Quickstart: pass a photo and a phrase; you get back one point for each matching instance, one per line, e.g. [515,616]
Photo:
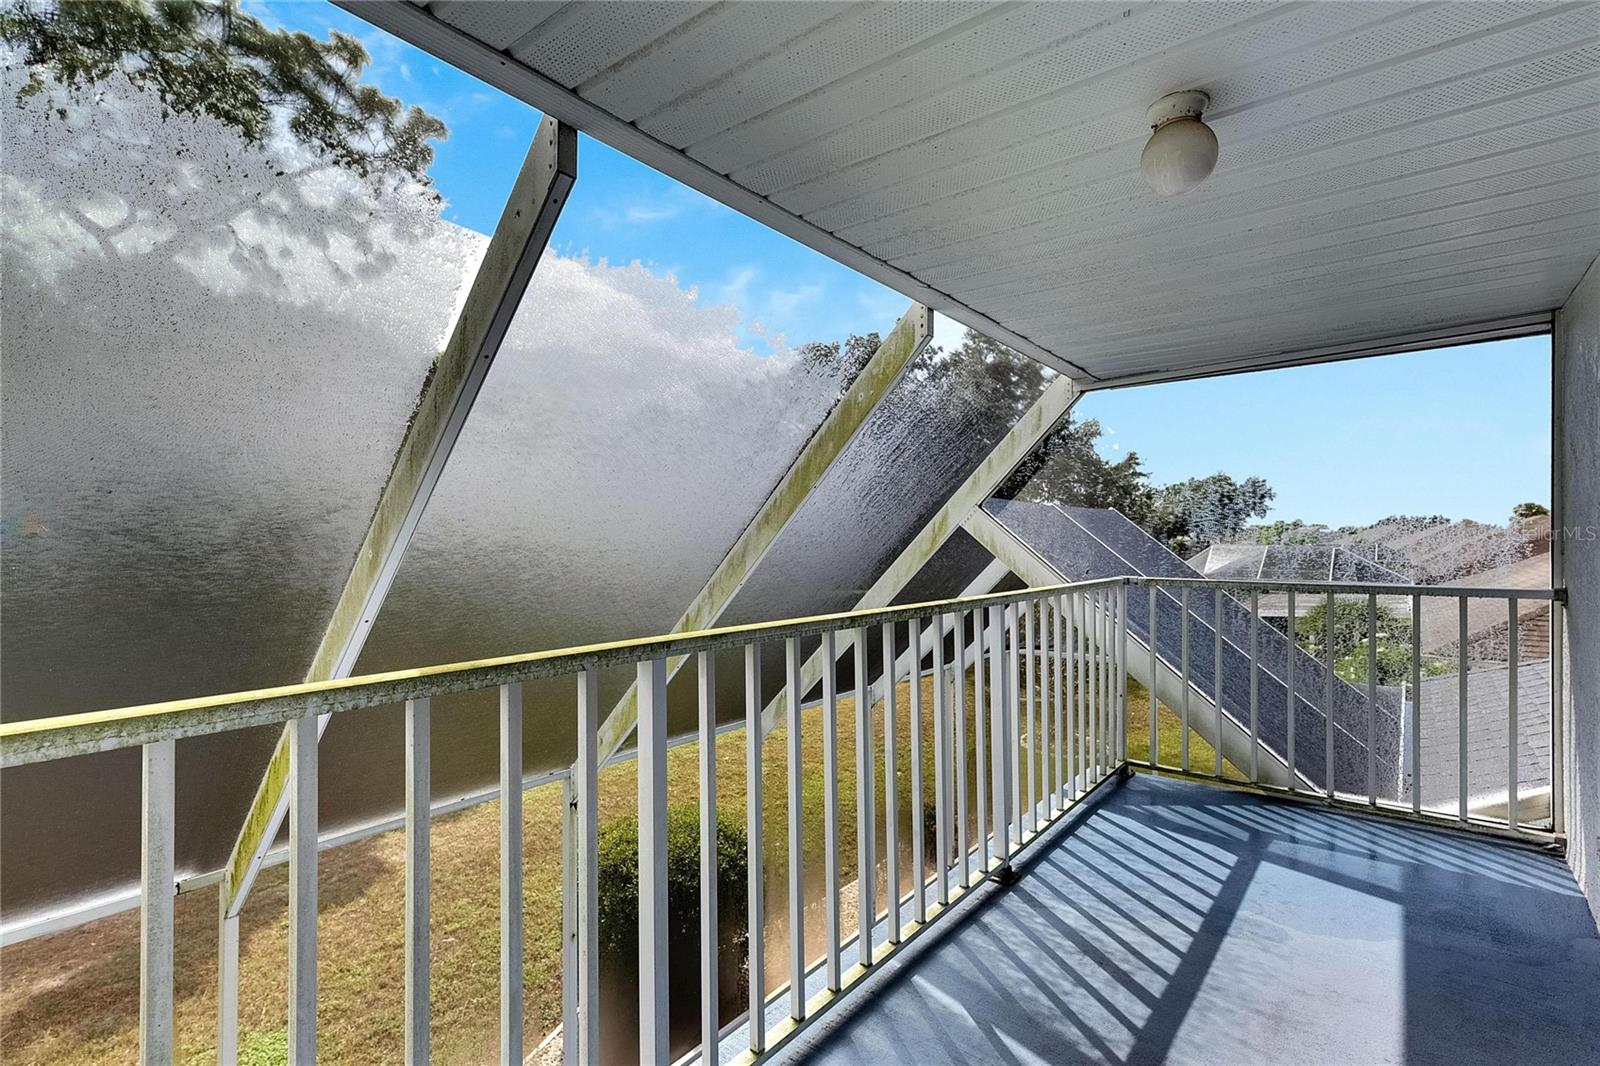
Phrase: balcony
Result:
[1036,888]
[426,639]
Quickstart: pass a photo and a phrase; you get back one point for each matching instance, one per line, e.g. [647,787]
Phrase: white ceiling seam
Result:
[1384,167]
[1246,149]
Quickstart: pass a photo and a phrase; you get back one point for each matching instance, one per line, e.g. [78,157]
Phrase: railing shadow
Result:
[1185,923]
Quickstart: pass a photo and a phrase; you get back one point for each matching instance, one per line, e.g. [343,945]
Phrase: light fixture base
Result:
[1191,103]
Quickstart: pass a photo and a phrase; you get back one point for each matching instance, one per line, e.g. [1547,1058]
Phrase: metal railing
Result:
[1028,713]
[1042,670]
[1324,721]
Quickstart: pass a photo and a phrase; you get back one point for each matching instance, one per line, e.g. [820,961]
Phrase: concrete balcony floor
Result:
[1183,923]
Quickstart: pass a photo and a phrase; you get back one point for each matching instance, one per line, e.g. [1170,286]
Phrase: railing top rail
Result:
[62,736]
[1356,588]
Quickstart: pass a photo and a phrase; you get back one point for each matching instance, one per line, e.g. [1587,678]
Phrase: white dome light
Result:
[1182,151]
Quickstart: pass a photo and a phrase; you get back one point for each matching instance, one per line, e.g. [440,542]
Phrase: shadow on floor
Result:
[1184,923]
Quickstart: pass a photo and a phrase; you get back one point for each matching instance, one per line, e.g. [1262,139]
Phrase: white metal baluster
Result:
[891,790]
[1327,699]
[1416,703]
[866,815]
[511,887]
[1372,700]
[1058,779]
[1075,700]
[796,814]
[157,890]
[999,689]
[1461,710]
[654,1046]
[1288,684]
[1102,665]
[586,789]
[1184,659]
[919,902]
[1155,706]
[1047,733]
[755,907]
[227,981]
[941,766]
[570,830]
[1255,688]
[1029,649]
[1216,667]
[830,817]
[960,677]
[980,719]
[1011,730]
[710,1019]
[1558,821]
[418,825]
[1122,673]
[1512,783]
[303,890]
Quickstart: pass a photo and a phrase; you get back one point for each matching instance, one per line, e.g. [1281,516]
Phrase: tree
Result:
[207,57]
[830,358]
[1194,514]
[1067,468]
[1528,510]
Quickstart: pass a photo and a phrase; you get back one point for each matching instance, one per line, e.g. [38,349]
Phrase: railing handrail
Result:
[62,736]
[1359,589]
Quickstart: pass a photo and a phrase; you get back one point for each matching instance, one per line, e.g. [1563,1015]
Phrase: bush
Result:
[619,882]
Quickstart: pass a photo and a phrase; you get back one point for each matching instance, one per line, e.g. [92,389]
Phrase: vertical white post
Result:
[797,909]
[710,1019]
[1187,684]
[960,677]
[157,889]
[755,911]
[587,791]
[919,902]
[1155,706]
[571,830]
[866,815]
[1075,698]
[1288,683]
[1512,783]
[1461,708]
[981,638]
[1122,672]
[1416,703]
[1372,700]
[891,789]
[511,888]
[1255,688]
[1327,699]
[941,766]
[1011,728]
[303,890]
[1216,672]
[652,740]
[1558,657]
[830,801]
[1059,781]
[227,981]
[418,825]
[999,737]
[1101,677]
[1029,649]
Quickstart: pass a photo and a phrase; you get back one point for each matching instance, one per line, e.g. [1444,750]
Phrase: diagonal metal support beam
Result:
[908,338]
[519,240]
[1035,424]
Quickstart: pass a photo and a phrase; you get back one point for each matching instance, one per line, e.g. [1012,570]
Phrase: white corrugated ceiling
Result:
[1389,172]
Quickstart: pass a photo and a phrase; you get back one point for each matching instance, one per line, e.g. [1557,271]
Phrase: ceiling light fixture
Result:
[1182,151]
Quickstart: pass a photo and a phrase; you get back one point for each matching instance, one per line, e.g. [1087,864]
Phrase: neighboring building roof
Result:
[1487,689]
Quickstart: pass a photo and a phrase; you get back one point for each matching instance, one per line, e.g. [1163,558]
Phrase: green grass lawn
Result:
[72,997]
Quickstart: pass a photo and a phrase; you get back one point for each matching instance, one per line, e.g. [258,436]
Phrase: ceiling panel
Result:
[1385,168]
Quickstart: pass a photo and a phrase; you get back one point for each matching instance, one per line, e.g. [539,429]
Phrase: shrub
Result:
[619,882]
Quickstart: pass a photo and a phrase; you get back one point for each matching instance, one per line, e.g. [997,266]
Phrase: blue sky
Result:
[1462,432]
